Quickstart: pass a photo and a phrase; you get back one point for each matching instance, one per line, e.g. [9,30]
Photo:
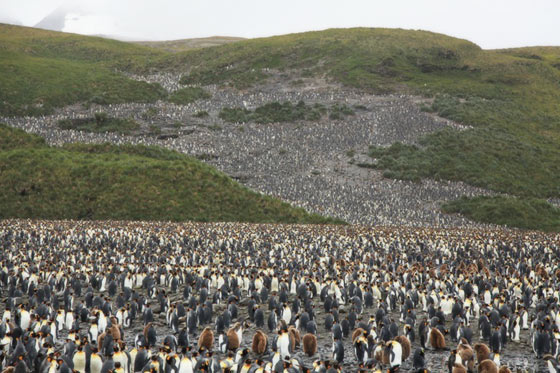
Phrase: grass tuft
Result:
[188,95]
[525,213]
[100,123]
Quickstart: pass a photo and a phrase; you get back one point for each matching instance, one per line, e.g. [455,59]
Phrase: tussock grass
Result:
[100,123]
[188,95]
[526,213]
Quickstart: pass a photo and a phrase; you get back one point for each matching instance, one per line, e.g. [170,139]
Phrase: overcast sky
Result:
[489,23]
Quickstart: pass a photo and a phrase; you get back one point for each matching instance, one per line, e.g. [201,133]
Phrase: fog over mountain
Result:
[56,20]
[83,18]
[12,21]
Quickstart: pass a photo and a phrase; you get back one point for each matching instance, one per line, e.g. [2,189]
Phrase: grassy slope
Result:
[126,182]
[375,59]
[510,97]
[41,70]
[528,213]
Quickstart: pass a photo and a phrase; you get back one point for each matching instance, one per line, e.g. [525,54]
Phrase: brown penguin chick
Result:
[466,352]
[260,341]
[233,339]
[206,339]
[115,332]
[437,340]
[487,366]
[378,353]
[294,336]
[504,369]
[356,333]
[9,369]
[405,344]
[382,354]
[459,368]
[482,352]
[100,338]
[146,328]
[309,344]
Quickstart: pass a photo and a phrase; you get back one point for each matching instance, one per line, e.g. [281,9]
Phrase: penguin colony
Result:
[100,297]
[283,160]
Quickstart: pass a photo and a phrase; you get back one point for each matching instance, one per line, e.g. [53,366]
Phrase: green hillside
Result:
[41,70]
[527,213]
[511,98]
[125,183]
